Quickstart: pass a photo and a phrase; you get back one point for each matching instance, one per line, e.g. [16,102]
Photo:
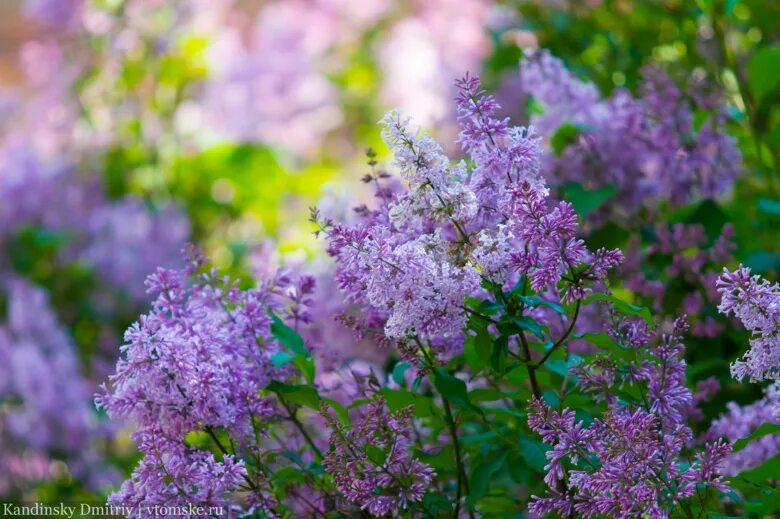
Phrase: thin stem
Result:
[479,314]
[563,338]
[294,419]
[463,483]
[531,368]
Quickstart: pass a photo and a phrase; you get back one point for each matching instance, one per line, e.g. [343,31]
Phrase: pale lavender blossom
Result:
[738,422]
[756,303]
[413,260]
[172,474]
[127,241]
[58,14]
[196,362]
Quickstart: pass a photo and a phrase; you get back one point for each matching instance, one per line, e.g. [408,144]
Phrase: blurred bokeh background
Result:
[130,127]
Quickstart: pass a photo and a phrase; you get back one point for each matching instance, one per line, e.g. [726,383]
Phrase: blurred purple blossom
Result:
[41,377]
[649,146]
[738,422]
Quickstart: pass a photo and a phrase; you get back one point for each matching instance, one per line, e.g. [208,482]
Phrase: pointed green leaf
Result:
[288,337]
[764,72]
[479,480]
[622,306]
[533,453]
[398,372]
[763,430]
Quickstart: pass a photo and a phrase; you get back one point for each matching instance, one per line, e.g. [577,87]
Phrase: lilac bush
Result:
[522,321]
[506,353]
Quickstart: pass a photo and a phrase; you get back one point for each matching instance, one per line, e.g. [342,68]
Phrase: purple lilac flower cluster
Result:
[197,362]
[648,147]
[371,463]
[756,303]
[629,461]
[414,259]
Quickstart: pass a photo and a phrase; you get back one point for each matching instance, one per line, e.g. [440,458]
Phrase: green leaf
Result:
[534,301]
[479,480]
[287,336]
[769,501]
[609,236]
[498,356]
[517,375]
[585,201]
[477,438]
[360,402]
[551,397]
[761,261]
[518,470]
[441,459]
[398,372]
[559,367]
[622,306]
[375,454]
[452,388]
[529,324]
[306,366]
[281,358]
[488,306]
[341,412]
[483,345]
[763,430]
[296,394]
[487,395]
[198,439]
[764,72]
[508,412]
[398,399]
[608,345]
[533,106]
[286,475]
[566,135]
[533,453]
